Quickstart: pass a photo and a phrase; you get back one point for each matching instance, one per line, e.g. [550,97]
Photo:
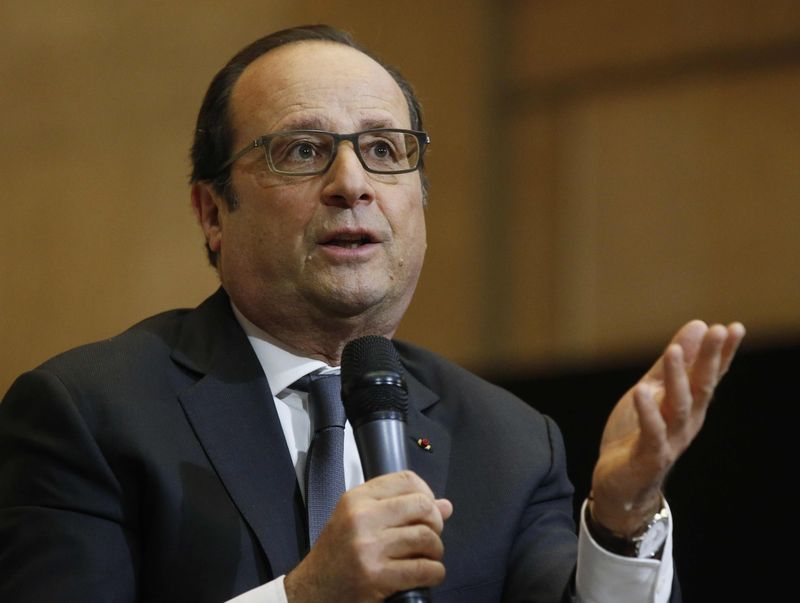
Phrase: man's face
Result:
[342,244]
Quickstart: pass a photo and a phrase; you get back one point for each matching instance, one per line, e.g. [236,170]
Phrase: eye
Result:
[301,151]
[381,149]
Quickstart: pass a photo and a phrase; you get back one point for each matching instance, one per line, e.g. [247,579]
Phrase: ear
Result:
[207,206]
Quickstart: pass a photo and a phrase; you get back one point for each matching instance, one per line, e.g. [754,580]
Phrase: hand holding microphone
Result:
[375,399]
[383,540]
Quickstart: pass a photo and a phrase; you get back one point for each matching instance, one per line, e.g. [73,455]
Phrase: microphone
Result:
[375,400]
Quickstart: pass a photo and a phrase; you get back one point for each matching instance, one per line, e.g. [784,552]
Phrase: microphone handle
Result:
[382,447]
[417,595]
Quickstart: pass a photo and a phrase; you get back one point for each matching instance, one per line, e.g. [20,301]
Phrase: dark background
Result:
[732,493]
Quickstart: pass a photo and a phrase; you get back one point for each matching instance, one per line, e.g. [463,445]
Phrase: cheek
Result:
[409,230]
[418,234]
[403,207]
[420,245]
[278,214]
[263,240]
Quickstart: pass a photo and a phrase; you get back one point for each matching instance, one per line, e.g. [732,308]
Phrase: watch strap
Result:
[625,546]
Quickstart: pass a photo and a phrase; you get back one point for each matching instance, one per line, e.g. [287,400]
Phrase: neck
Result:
[319,338]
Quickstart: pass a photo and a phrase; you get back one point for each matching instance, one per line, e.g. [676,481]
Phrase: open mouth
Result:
[349,240]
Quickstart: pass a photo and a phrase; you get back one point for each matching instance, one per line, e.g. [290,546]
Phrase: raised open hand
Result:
[655,421]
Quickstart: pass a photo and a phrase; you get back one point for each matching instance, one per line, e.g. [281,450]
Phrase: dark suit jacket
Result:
[152,467]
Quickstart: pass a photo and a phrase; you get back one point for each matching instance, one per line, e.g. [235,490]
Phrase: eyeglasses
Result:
[309,152]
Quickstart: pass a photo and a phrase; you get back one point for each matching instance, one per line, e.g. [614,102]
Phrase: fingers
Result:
[401,498]
[445,508]
[415,573]
[690,378]
[397,484]
[383,537]
[689,338]
[651,423]
[397,512]
[409,509]
[736,332]
[678,398]
[716,353]
[694,339]
[705,372]
[412,541]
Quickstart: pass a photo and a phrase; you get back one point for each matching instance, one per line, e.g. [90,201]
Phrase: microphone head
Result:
[372,379]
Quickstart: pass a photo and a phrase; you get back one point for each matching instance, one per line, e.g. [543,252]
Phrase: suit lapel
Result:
[233,415]
[431,464]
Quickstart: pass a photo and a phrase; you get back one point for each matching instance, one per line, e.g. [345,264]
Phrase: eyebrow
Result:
[315,123]
[374,124]
[304,123]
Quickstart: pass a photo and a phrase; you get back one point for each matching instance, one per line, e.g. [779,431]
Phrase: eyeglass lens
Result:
[310,152]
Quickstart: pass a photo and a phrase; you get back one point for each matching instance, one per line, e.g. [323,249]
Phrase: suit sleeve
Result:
[542,561]
[63,533]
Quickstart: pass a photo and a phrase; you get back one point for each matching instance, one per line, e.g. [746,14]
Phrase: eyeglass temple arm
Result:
[253,145]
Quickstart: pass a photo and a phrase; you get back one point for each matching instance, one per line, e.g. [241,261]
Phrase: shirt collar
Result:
[281,366]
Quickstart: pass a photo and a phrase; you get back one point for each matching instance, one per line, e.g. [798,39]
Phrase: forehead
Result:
[315,84]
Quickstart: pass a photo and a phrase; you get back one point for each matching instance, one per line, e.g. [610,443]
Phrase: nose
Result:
[346,182]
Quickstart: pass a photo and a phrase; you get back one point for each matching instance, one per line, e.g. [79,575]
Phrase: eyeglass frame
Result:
[423,140]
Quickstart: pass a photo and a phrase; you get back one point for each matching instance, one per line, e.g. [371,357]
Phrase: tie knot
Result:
[324,399]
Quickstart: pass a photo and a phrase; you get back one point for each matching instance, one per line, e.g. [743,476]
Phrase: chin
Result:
[376,304]
[351,305]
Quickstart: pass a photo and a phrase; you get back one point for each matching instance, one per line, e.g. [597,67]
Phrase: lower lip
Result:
[344,254]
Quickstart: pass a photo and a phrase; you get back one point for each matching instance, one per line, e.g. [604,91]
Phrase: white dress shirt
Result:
[601,577]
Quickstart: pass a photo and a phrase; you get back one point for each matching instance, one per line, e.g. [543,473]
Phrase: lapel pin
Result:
[425,444]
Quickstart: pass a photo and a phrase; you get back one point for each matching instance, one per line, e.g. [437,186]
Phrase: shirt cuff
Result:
[603,577]
[271,592]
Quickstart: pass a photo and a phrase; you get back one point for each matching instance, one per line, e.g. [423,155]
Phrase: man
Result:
[166,464]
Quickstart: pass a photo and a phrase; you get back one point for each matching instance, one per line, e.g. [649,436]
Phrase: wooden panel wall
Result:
[652,175]
[98,101]
[601,171]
